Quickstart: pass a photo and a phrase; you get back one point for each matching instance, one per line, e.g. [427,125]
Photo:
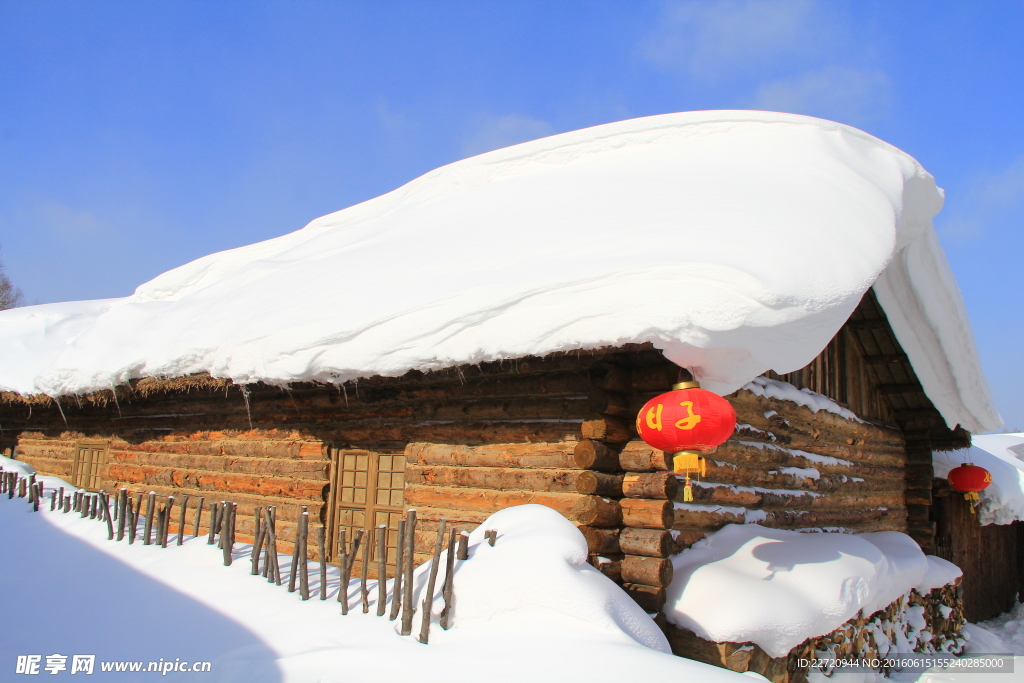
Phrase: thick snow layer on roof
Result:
[1001,454]
[735,241]
[776,588]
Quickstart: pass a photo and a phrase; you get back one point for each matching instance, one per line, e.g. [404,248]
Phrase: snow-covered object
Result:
[735,241]
[537,572]
[940,573]
[776,588]
[1003,501]
[773,388]
[258,632]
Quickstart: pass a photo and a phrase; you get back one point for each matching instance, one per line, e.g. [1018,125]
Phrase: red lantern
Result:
[968,479]
[684,421]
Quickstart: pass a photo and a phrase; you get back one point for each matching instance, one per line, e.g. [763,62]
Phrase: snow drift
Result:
[735,241]
[1003,501]
[526,609]
[776,588]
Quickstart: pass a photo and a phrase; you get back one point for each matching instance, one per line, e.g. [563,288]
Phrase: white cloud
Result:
[504,131]
[70,223]
[709,40]
[990,200]
[840,93]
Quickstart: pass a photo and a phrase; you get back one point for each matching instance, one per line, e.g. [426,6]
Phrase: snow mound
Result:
[776,588]
[537,572]
[562,622]
[1003,501]
[773,388]
[735,241]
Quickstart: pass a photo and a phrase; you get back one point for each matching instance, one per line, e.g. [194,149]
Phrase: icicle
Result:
[356,380]
[345,392]
[245,395]
[61,412]
[461,376]
[292,399]
[79,399]
[113,390]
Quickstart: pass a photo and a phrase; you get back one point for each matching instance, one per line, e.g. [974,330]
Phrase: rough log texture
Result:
[650,571]
[662,485]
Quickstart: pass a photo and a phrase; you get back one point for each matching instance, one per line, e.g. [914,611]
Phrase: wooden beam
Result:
[886,358]
[868,324]
[915,413]
[900,389]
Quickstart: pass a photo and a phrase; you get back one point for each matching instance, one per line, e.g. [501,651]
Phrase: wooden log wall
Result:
[786,467]
[254,468]
[991,556]
[507,434]
[577,474]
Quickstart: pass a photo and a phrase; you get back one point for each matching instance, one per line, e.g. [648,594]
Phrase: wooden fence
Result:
[148,519]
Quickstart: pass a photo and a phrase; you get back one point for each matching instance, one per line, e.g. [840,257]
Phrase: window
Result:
[90,456]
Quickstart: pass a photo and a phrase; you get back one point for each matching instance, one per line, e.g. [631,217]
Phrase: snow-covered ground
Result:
[527,609]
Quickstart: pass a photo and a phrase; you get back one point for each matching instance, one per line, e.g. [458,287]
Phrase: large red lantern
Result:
[686,421]
[968,479]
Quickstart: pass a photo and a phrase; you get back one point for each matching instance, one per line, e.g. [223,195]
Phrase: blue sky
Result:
[137,136]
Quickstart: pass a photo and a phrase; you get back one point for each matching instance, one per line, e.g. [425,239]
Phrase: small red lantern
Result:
[968,479]
[684,421]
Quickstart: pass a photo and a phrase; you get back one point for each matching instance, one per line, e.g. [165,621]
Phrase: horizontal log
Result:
[919,497]
[511,479]
[637,456]
[827,445]
[578,508]
[751,408]
[601,541]
[771,475]
[650,571]
[684,538]
[606,428]
[594,455]
[302,468]
[653,378]
[610,377]
[661,485]
[525,455]
[770,455]
[710,493]
[607,403]
[647,514]
[709,518]
[650,598]
[797,519]
[647,542]
[609,566]
[222,483]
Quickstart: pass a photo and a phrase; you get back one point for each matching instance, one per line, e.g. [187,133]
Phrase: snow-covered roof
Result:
[735,241]
[1001,454]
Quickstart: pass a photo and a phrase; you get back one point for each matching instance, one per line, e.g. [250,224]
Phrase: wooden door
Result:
[367,490]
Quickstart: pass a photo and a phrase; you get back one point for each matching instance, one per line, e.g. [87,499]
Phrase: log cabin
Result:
[841,396]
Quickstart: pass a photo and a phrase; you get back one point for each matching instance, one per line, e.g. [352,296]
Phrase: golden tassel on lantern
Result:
[970,497]
[688,462]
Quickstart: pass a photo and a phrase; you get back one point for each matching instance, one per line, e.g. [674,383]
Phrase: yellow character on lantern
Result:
[654,417]
[691,420]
